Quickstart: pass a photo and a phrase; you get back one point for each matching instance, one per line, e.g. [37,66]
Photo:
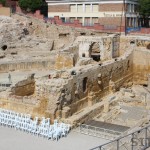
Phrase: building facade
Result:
[109,13]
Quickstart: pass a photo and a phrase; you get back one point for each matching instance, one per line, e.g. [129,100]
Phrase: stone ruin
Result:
[59,73]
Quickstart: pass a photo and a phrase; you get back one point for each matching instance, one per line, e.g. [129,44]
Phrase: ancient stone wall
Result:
[24,65]
[72,90]
[96,82]
[141,66]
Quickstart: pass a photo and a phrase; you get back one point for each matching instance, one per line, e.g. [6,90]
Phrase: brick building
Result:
[109,13]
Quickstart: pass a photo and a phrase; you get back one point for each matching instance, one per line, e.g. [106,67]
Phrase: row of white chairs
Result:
[25,123]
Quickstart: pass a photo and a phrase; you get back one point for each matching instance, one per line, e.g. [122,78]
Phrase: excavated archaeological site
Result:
[74,75]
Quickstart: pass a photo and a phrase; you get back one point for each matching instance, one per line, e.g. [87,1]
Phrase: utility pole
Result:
[124,3]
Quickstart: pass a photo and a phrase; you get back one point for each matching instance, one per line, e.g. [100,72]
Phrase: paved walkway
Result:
[10,139]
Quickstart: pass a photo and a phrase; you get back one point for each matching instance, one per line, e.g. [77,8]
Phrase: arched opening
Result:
[4,47]
[95,51]
[132,42]
[85,84]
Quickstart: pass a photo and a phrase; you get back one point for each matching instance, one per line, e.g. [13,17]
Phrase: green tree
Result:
[144,9]
[3,2]
[30,5]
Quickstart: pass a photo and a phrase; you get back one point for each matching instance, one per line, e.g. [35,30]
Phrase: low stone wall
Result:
[24,65]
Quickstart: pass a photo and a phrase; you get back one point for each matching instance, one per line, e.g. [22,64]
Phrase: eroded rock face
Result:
[25,87]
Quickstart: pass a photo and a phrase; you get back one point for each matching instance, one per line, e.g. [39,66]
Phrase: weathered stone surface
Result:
[74,81]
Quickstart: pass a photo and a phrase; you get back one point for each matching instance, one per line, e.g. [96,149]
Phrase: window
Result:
[80,19]
[73,8]
[87,21]
[95,7]
[94,20]
[80,8]
[72,19]
[88,8]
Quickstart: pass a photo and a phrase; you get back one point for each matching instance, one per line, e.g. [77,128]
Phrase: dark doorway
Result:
[95,51]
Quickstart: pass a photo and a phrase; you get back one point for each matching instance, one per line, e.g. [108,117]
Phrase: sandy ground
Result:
[10,139]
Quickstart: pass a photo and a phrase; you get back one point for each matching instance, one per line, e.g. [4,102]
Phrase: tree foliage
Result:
[144,8]
[3,2]
[30,5]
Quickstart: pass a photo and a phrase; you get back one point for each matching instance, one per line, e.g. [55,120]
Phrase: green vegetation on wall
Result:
[3,2]
[30,5]
[144,9]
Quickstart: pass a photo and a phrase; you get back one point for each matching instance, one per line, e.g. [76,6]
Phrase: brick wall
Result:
[59,8]
[110,7]
[112,21]
[77,24]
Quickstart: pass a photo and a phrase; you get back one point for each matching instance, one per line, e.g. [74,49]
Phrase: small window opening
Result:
[85,84]
[83,55]
[4,47]
[82,33]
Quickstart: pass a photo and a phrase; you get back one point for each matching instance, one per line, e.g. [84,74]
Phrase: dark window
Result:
[83,55]
[85,84]
[4,47]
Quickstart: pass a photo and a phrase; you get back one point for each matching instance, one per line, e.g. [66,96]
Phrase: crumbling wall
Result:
[80,87]
[25,87]
[93,83]
[107,46]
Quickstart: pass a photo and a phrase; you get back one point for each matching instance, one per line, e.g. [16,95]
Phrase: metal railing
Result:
[137,140]
[97,132]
